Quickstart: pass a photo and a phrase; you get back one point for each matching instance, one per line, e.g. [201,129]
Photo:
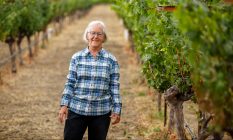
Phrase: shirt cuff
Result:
[117,110]
[65,102]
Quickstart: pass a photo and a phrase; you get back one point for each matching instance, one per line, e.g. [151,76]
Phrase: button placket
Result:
[92,74]
[95,70]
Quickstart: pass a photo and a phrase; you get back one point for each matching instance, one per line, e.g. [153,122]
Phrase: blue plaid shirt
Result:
[92,86]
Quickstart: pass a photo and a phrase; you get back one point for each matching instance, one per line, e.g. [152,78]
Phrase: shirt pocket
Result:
[82,71]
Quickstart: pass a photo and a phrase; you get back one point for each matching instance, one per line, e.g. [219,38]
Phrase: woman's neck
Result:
[94,50]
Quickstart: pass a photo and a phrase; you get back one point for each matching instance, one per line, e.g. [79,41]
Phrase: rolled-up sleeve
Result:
[115,88]
[70,83]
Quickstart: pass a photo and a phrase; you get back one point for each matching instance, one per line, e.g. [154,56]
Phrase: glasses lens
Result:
[96,33]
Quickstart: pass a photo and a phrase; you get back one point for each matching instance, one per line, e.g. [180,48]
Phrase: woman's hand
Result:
[63,114]
[116,118]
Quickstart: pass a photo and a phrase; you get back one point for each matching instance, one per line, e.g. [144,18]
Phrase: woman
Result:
[91,95]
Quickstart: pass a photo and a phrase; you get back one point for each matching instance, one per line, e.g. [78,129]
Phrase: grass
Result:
[141,94]
[157,116]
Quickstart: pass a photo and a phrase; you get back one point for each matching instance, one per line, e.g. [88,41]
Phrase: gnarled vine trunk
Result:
[45,38]
[29,46]
[159,102]
[36,40]
[20,38]
[171,123]
[176,112]
[10,41]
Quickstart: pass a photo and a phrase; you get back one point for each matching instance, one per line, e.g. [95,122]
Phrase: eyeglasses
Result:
[92,33]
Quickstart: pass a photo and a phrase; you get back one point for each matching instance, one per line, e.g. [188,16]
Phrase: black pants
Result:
[76,126]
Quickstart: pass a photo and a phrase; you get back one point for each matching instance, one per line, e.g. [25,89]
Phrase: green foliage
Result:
[210,52]
[25,17]
[192,47]
[9,19]
[30,17]
[167,2]
[158,42]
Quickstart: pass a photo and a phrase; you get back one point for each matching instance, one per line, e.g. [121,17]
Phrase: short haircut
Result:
[91,25]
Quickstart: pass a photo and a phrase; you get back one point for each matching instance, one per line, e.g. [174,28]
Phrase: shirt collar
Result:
[100,53]
[86,51]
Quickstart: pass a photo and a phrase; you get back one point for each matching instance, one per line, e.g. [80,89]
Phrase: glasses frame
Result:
[93,33]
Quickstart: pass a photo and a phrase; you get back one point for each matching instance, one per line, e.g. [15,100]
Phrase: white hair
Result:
[91,25]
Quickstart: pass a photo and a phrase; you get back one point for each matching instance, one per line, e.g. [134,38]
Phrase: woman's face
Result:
[95,37]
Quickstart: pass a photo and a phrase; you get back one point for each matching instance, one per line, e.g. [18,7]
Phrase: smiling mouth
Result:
[95,41]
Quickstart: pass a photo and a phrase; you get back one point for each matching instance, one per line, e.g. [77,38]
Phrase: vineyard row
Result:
[187,54]
[23,19]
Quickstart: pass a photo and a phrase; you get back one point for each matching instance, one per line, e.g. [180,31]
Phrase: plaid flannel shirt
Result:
[92,86]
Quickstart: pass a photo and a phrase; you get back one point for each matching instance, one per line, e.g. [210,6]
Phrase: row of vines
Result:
[25,18]
[187,54]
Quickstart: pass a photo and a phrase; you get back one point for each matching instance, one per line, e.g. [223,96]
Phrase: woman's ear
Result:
[105,38]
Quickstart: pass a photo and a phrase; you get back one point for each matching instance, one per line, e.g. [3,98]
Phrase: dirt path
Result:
[29,100]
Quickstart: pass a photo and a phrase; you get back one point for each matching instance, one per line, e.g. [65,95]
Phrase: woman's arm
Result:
[70,83]
[68,90]
[115,88]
